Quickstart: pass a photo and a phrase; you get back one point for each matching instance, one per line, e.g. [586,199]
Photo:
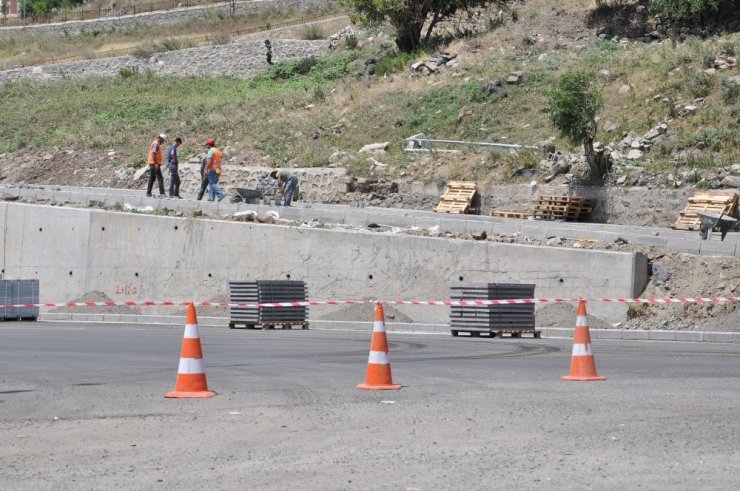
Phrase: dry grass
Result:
[305,119]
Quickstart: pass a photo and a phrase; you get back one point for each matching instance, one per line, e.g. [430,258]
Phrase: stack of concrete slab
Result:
[268,291]
[19,292]
[512,319]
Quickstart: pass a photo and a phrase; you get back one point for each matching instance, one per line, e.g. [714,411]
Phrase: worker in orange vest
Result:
[213,170]
[154,159]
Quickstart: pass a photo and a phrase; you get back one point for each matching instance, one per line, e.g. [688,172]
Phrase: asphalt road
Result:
[82,407]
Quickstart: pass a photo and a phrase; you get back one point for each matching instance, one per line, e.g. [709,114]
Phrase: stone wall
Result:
[158,18]
[623,205]
[315,184]
[242,60]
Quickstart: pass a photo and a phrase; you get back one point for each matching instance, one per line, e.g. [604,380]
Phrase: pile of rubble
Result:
[434,65]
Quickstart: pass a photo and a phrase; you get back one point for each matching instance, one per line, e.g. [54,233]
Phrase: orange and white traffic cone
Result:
[582,364]
[378,365]
[191,376]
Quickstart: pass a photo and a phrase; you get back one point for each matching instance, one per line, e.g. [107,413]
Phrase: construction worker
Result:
[154,159]
[287,181]
[213,170]
[203,178]
[173,162]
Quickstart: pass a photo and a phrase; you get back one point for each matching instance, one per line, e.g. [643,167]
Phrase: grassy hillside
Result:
[304,113]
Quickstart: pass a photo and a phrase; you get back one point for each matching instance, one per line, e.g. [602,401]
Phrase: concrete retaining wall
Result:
[241,60]
[143,257]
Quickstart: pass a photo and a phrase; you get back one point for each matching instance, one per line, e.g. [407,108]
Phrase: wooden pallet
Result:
[725,203]
[277,325]
[512,333]
[510,214]
[563,207]
[457,198]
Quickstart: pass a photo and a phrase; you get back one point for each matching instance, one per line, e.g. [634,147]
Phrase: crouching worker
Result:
[287,181]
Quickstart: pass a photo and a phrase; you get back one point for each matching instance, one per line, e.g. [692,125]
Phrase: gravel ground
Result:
[83,409]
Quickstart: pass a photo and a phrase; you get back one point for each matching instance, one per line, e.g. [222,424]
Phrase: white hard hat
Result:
[163,136]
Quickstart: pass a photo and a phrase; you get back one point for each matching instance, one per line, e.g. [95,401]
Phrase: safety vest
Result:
[216,159]
[155,157]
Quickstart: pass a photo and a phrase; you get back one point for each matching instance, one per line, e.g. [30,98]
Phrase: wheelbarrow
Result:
[709,221]
[243,195]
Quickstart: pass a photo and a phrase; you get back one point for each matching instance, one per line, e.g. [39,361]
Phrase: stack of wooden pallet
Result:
[702,201]
[458,197]
[563,207]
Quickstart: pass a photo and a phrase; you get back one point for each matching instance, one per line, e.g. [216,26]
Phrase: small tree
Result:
[572,106]
[408,17]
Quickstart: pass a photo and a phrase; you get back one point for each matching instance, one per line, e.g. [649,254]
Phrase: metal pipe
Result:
[482,144]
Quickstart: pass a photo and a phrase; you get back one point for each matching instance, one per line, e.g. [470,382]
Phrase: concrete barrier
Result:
[144,257]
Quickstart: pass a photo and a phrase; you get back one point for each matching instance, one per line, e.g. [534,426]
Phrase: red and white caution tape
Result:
[445,303]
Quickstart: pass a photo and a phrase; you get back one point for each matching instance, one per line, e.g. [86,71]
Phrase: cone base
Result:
[575,378]
[190,395]
[378,387]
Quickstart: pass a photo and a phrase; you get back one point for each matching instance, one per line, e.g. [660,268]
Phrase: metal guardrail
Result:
[481,144]
[200,39]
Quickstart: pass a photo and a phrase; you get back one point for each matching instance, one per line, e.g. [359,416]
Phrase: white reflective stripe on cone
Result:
[191,331]
[378,358]
[582,350]
[191,365]
[581,321]
[378,326]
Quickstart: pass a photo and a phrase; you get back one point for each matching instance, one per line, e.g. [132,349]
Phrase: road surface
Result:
[81,406]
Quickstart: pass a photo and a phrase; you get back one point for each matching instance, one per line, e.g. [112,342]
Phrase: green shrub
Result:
[169,44]
[689,9]
[318,94]
[395,62]
[698,83]
[496,22]
[635,311]
[128,72]
[13,145]
[351,42]
[730,92]
[288,69]
[312,32]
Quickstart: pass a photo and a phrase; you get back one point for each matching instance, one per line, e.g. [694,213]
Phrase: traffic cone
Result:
[191,376]
[582,364]
[378,365]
